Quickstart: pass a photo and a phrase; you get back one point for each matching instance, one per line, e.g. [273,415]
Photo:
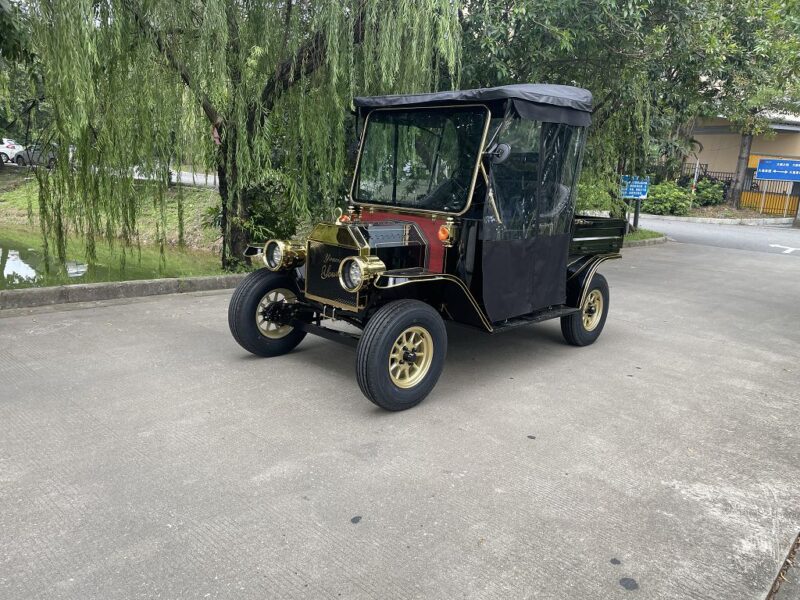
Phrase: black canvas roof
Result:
[536,101]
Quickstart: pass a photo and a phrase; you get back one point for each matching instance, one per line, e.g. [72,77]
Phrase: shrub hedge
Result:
[667,198]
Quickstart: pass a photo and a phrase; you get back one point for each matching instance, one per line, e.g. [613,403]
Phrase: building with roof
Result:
[718,152]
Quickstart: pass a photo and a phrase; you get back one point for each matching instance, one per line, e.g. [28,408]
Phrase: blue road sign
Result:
[634,188]
[778,169]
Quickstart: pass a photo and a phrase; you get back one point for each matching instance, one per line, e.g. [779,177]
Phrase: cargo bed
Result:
[596,235]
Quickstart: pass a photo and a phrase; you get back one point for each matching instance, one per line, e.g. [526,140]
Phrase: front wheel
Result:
[401,354]
[584,327]
[4,157]
[248,310]
[20,161]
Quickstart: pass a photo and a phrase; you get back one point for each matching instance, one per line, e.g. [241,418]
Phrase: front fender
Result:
[446,293]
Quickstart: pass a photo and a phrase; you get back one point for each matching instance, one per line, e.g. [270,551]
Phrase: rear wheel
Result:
[401,354]
[20,161]
[3,157]
[584,327]
[248,310]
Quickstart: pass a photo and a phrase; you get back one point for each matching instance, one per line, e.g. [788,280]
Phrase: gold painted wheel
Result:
[267,328]
[411,356]
[592,310]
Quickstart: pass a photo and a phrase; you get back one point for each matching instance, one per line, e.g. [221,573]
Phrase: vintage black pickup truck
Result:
[462,208]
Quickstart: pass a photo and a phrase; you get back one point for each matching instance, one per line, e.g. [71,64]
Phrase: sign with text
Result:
[634,188]
[778,169]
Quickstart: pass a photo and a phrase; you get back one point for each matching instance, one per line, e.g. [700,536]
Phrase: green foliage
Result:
[642,60]
[14,41]
[270,215]
[757,60]
[141,83]
[667,198]
[596,192]
[652,66]
[709,192]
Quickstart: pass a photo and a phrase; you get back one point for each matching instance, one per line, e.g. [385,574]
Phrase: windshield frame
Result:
[409,209]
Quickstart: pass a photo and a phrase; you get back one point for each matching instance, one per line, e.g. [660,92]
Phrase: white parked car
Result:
[8,149]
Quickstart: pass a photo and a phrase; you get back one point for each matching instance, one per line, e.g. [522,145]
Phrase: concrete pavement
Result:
[780,239]
[143,454]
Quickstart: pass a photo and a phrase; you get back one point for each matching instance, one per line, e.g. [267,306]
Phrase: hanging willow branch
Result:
[134,84]
[147,30]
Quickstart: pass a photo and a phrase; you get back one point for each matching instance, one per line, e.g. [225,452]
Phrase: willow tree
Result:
[262,88]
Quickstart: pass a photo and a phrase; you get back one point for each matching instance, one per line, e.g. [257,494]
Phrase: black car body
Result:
[462,208]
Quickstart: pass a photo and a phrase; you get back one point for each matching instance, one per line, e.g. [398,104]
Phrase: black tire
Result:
[20,161]
[574,327]
[242,314]
[374,354]
[4,157]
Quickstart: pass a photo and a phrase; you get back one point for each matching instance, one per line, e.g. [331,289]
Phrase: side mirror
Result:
[499,153]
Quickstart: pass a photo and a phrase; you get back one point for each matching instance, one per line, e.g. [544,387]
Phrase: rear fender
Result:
[580,274]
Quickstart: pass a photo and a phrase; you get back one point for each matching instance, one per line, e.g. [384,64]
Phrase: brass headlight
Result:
[356,271]
[280,255]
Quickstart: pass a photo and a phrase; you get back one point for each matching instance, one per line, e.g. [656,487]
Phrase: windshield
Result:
[423,159]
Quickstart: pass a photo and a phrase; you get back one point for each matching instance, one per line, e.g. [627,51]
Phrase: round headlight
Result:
[356,272]
[273,256]
[353,275]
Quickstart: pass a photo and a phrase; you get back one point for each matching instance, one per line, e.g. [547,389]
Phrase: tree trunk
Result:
[222,177]
[233,210]
[737,187]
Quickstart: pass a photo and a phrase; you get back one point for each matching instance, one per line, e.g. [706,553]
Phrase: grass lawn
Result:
[642,234]
[22,261]
[19,192]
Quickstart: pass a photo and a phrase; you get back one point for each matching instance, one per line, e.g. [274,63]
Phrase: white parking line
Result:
[788,249]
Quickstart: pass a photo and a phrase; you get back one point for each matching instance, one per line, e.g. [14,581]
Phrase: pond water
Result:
[22,263]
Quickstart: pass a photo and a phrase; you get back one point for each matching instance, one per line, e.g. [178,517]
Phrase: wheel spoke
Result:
[271,329]
[415,341]
[592,310]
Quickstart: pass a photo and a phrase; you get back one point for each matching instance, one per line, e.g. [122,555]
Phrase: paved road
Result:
[197,179]
[208,180]
[771,239]
[144,455]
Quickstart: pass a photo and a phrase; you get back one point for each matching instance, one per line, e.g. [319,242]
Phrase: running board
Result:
[349,339]
[534,317]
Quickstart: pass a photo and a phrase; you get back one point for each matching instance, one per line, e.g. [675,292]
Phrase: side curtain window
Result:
[515,183]
[559,157]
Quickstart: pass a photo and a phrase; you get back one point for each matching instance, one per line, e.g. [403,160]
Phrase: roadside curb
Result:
[710,221]
[648,242]
[88,292]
